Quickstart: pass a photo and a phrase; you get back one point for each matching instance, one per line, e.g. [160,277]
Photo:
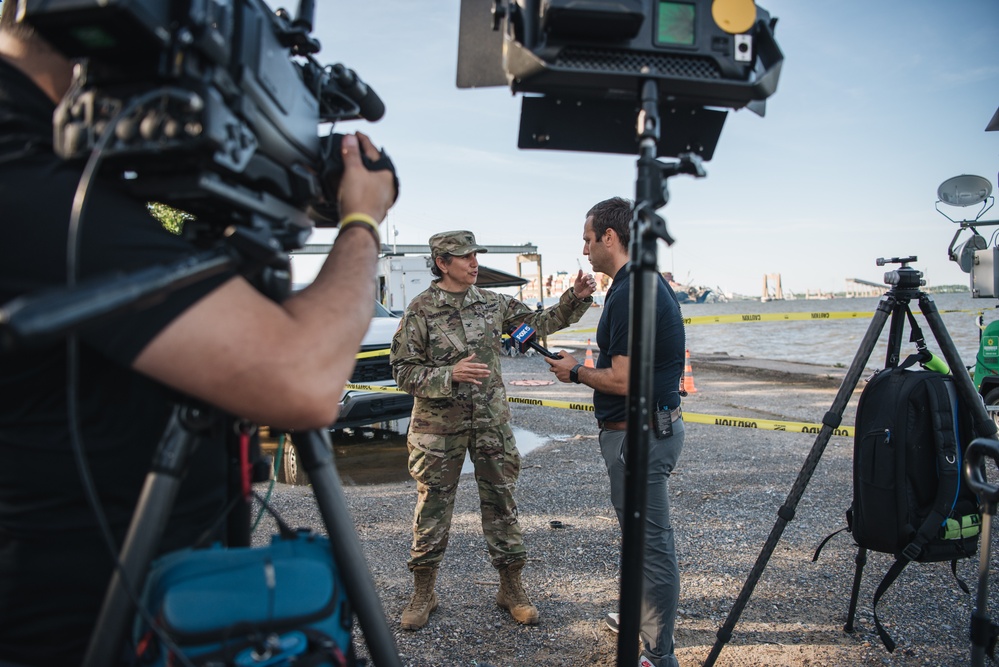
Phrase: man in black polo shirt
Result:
[220,341]
[605,241]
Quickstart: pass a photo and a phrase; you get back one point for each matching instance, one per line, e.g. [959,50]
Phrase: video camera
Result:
[582,63]
[210,106]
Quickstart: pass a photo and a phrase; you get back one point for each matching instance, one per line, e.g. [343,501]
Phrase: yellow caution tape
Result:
[373,353]
[748,318]
[691,417]
[565,405]
[764,424]
[775,317]
[374,387]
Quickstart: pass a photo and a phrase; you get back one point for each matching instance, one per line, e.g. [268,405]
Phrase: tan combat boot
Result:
[511,595]
[424,601]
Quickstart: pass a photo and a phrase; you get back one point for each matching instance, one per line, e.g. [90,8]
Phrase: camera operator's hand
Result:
[361,190]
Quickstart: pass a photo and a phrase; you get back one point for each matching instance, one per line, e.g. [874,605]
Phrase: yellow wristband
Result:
[359,217]
[353,219]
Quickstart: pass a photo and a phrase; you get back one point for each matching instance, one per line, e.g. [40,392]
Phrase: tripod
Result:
[905,283]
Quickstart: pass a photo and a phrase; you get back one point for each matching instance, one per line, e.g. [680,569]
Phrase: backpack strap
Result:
[948,484]
[890,577]
[948,468]
[828,537]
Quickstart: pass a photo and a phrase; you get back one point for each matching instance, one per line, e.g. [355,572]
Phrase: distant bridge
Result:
[858,287]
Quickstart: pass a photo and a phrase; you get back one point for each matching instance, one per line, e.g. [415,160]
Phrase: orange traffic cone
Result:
[687,381]
[588,362]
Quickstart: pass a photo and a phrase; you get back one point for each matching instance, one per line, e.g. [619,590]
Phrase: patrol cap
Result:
[458,243]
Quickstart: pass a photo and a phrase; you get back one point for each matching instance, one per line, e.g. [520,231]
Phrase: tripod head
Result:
[905,277]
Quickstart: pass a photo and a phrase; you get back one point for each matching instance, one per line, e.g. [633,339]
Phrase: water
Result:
[378,455]
[832,342]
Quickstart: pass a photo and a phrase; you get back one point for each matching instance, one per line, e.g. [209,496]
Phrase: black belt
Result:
[674,414]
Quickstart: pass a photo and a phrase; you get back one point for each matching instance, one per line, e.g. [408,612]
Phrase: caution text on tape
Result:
[690,417]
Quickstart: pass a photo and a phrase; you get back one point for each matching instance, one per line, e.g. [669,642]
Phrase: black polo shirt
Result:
[612,340]
[53,566]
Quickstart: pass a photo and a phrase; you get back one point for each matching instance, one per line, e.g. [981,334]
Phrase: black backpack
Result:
[909,498]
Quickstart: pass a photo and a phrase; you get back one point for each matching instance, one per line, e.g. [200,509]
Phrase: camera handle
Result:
[39,320]
[895,303]
[647,228]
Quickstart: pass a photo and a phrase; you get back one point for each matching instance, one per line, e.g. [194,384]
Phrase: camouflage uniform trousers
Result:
[435,463]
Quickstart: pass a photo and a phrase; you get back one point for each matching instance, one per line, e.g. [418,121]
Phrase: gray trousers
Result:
[661,581]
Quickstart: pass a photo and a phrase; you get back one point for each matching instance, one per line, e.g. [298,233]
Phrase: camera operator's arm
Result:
[283,365]
[613,380]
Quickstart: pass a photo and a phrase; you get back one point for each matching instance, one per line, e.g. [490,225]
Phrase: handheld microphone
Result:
[524,337]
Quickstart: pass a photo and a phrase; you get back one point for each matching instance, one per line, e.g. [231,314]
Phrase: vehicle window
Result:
[382,311]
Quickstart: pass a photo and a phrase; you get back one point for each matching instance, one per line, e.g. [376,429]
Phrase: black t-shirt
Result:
[54,567]
[612,340]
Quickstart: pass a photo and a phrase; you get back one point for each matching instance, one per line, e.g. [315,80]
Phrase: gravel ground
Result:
[725,494]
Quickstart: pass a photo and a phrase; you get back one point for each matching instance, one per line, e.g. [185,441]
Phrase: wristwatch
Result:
[574,373]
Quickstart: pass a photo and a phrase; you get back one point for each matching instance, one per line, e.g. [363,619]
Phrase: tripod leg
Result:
[830,421]
[316,452]
[144,534]
[984,426]
[855,591]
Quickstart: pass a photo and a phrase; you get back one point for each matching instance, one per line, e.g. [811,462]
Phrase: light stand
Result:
[646,229]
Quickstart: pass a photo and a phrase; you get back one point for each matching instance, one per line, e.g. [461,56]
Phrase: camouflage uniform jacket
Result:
[441,328]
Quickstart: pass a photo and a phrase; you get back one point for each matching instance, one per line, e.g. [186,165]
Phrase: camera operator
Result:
[219,341]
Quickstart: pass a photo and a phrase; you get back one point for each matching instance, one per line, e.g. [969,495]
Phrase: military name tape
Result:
[691,417]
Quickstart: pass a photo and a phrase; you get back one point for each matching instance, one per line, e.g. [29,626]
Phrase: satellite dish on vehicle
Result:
[964,190]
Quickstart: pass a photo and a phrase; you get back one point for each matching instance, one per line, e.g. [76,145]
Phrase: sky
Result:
[877,104]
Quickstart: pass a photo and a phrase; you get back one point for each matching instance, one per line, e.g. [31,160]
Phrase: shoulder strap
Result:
[890,577]
[948,466]
[948,484]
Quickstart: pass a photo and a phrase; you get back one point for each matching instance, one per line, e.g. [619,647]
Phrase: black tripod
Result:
[905,283]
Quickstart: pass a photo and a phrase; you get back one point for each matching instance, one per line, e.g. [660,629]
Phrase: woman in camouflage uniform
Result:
[446,353]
